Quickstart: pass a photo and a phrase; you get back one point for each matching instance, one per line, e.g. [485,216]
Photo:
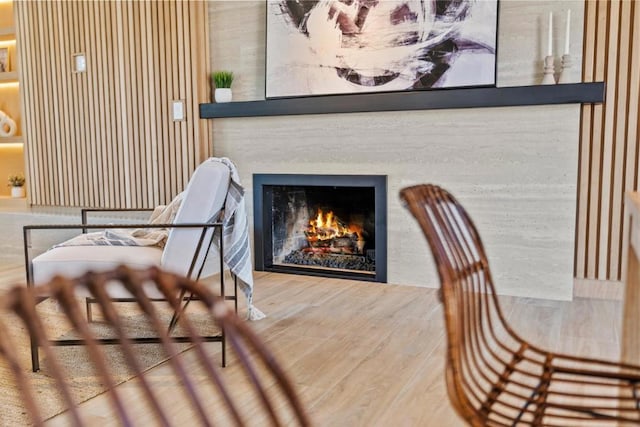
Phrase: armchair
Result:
[185,253]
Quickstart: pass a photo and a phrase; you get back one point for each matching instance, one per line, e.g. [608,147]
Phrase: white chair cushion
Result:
[204,196]
[73,261]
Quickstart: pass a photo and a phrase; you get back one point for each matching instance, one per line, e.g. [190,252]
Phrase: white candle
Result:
[550,36]
[566,35]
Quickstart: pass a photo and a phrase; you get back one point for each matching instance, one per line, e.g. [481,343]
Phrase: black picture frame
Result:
[437,48]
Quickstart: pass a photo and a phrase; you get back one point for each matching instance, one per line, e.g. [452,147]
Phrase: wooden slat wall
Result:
[105,137]
[609,146]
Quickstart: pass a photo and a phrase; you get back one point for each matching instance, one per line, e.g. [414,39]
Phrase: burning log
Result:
[328,234]
[328,260]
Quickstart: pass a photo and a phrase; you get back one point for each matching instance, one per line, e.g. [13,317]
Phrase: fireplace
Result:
[321,225]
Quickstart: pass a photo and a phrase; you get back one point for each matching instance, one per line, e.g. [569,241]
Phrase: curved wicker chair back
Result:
[209,397]
[494,377]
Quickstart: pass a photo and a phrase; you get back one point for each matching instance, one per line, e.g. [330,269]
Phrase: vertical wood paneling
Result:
[68,42]
[153,135]
[172,69]
[25,60]
[609,136]
[156,96]
[100,156]
[596,149]
[584,151]
[182,71]
[608,142]
[105,137]
[129,77]
[106,106]
[143,95]
[163,100]
[619,131]
[79,96]
[633,147]
[91,119]
[135,89]
[60,94]
[121,106]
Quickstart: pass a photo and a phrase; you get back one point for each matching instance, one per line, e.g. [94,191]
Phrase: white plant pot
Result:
[17,192]
[222,95]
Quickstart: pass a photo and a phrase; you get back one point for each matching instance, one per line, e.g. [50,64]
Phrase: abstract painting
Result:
[321,47]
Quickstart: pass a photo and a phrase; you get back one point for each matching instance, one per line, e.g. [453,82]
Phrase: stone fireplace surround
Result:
[514,170]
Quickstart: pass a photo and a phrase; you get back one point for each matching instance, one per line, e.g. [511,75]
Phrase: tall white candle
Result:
[550,35]
[567,32]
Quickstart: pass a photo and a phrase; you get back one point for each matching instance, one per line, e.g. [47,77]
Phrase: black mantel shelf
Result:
[573,93]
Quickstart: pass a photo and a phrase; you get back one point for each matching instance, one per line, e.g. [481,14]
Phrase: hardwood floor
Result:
[360,354]
[363,354]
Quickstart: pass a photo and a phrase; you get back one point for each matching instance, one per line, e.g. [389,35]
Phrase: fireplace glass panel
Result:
[324,227]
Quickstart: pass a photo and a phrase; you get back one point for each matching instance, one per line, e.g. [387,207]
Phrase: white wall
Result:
[513,168]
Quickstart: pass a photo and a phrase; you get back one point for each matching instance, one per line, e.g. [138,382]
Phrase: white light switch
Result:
[79,63]
[178,110]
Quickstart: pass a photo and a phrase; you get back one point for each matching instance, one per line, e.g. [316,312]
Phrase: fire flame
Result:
[328,226]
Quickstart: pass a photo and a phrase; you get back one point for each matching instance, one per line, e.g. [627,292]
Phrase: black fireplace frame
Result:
[262,184]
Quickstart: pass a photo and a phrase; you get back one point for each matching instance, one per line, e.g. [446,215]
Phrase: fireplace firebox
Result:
[321,225]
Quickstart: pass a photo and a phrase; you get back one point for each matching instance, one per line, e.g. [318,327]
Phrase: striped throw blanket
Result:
[235,238]
[136,237]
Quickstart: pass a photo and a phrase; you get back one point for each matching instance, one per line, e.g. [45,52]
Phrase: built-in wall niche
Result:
[9,86]
[321,225]
[11,146]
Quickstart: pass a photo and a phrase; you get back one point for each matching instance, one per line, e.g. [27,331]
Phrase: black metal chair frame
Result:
[84,226]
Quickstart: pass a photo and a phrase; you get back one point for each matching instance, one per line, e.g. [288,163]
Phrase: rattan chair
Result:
[494,377]
[210,396]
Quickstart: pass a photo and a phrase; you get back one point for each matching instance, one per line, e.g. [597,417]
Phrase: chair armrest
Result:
[105,226]
[84,211]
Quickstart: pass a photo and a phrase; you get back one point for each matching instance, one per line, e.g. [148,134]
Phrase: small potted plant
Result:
[222,81]
[16,182]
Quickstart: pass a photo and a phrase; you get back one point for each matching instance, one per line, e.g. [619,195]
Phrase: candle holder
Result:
[548,78]
[565,74]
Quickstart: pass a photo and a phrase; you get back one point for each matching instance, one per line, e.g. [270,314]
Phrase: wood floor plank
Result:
[359,353]
[368,354]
